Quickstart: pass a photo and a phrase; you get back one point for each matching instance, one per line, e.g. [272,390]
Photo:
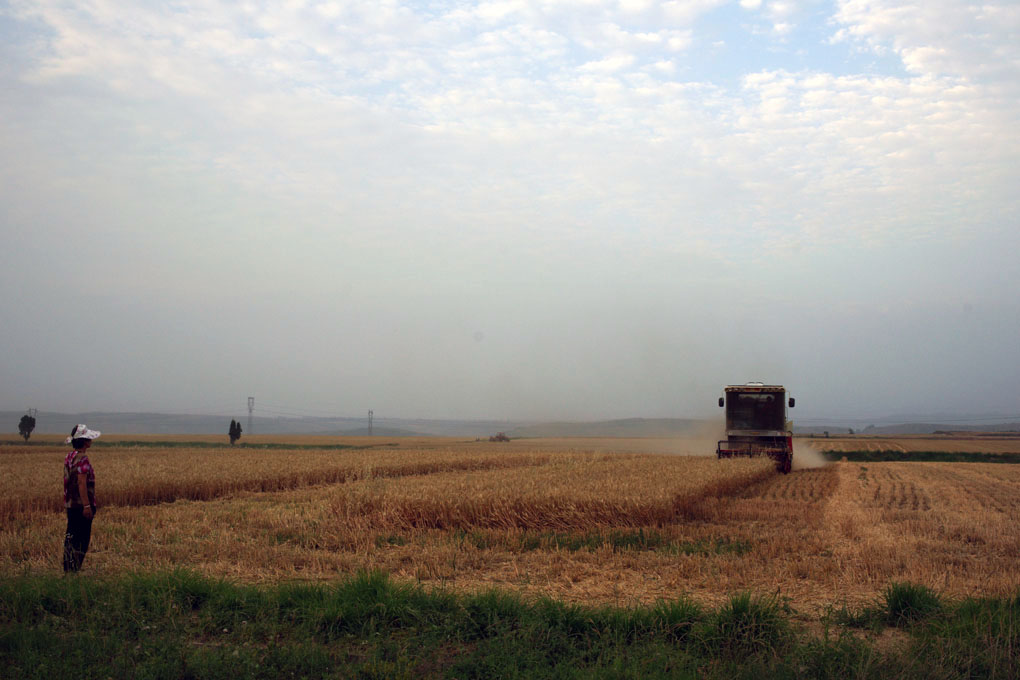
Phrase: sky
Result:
[559,209]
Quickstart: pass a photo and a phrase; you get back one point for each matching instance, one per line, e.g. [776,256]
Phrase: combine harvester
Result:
[756,424]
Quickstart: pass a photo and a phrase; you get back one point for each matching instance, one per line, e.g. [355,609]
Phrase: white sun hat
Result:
[81,432]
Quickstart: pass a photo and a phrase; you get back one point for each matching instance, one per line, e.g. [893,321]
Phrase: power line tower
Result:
[370,414]
[251,408]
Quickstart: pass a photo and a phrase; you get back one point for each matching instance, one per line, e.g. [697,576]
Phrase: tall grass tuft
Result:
[746,626]
[675,619]
[977,638]
[906,603]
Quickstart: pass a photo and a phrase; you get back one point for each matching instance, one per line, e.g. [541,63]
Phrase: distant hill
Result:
[168,423]
[907,428]
[626,427]
[930,428]
[164,423]
[376,432]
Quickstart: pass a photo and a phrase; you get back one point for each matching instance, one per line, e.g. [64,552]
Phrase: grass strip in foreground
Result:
[178,624]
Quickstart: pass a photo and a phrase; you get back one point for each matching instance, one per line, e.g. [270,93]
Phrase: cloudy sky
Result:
[509,209]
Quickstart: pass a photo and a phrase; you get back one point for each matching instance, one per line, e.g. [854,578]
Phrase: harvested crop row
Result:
[808,488]
[910,443]
[573,492]
[144,477]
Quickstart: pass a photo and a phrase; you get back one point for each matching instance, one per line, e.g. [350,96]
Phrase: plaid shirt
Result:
[77,463]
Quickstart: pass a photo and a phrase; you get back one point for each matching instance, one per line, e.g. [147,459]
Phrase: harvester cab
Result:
[756,423]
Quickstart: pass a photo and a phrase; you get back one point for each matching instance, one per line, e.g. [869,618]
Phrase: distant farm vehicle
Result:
[499,437]
[756,424]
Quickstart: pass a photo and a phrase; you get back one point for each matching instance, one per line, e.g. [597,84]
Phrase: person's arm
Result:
[83,494]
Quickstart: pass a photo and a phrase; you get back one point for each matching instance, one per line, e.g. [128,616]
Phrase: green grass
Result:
[180,625]
[748,626]
[900,605]
[885,456]
[907,603]
[979,638]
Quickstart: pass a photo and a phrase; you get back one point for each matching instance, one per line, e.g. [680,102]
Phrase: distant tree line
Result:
[235,431]
[25,426]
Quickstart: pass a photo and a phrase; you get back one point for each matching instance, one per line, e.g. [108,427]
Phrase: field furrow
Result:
[577,492]
[145,477]
[569,518]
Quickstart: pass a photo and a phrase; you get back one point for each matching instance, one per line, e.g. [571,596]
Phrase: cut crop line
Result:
[167,491]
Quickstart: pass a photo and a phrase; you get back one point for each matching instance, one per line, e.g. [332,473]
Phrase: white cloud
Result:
[940,37]
[636,6]
[780,8]
[784,16]
[684,13]
[499,10]
[665,66]
[380,151]
[513,70]
[679,41]
[888,156]
[611,64]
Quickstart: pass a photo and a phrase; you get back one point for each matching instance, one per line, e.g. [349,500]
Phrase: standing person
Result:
[79,497]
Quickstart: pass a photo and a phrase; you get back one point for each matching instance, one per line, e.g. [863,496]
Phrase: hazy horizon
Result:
[46,419]
[679,429]
[509,209]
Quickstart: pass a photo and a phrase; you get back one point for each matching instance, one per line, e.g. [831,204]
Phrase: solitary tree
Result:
[234,431]
[26,426]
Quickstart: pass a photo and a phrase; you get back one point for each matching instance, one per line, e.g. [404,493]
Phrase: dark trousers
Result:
[76,540]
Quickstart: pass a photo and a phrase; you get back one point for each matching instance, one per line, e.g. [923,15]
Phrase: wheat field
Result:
[146,476]
[568,518]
